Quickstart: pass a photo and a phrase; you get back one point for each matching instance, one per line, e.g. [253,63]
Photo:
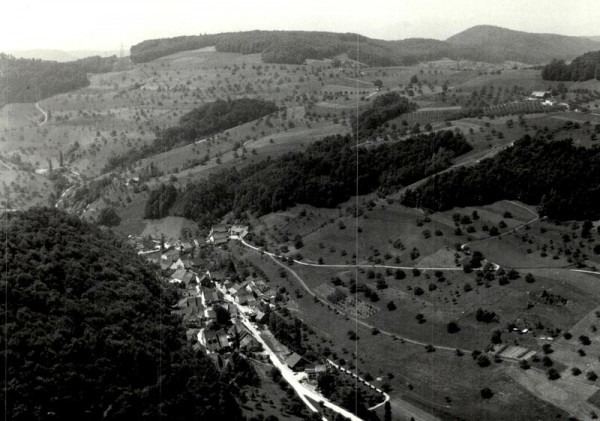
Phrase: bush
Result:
[452,327]
[553,374]
[108,217]
[486,393]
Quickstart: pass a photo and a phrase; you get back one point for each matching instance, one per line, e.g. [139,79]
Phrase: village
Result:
[225,314]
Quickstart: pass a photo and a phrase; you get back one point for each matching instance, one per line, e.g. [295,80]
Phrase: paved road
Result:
[399,405]
[301,390]
[303,263]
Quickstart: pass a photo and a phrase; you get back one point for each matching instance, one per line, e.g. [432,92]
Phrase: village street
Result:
[287,373]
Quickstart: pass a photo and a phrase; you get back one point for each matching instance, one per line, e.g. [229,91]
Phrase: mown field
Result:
[555,304]
[440,382]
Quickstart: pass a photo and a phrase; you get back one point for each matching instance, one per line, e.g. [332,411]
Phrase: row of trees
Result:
[561,179]
[323,176]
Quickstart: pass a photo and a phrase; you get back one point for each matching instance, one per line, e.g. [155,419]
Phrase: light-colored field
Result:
[170,227]
[567,394]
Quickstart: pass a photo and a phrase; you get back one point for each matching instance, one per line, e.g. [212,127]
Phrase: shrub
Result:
[486,393]
[452,327]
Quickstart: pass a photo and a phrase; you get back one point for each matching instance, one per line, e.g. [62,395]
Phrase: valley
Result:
[424,217]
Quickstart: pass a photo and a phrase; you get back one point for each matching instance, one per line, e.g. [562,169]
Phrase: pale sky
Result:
[105,24]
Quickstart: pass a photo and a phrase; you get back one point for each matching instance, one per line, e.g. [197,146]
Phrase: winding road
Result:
[37,105]
[303,392]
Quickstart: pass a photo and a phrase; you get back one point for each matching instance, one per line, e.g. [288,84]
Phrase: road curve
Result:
[37,105]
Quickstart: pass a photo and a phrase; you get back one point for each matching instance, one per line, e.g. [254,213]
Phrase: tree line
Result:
[294,47]
[203,121]
[584,67]
[324,175]
[561,179]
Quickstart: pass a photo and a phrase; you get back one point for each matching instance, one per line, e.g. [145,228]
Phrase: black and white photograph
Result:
[320,210]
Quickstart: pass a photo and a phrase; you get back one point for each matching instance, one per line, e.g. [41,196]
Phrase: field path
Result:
[510,231]
[362,323]
[37,105]
[398,405]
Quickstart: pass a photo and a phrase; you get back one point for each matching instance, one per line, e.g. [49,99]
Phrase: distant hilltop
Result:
[480,43]
[60,55]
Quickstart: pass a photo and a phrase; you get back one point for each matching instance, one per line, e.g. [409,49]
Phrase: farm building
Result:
[219,234]
[313,371]
[295,361]
[539,95]
[239,231]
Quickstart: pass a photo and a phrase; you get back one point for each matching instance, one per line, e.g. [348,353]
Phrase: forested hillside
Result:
[208,119]
[30,80]
[480,43]
[561,179]
[291,47]
[88,330]
[583,68]
[294,47]
[323,175]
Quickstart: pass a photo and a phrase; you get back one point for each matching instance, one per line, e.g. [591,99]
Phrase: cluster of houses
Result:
[221,234]
[202,301]
[545,98]
[212,322]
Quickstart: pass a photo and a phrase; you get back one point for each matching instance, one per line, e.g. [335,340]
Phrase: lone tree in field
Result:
[486,393]
[452,327]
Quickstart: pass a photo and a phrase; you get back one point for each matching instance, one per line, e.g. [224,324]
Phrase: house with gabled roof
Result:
[177,264]
[219,234]
[178,275]
[209,295]
[210,340]
[238,231]
[295,361]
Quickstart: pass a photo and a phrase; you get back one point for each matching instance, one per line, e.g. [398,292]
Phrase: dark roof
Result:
[219,228]
[293,360]
[194,302]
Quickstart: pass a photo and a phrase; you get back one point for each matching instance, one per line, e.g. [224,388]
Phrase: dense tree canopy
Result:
[206,120]
[89,332]
[294,47]
[384,108]
[584,67]
[30,80]
[323,175]
[160,201]
[562,179]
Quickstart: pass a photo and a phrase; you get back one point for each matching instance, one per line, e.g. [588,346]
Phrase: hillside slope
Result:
[523,46]
[480,43]
[89,330]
